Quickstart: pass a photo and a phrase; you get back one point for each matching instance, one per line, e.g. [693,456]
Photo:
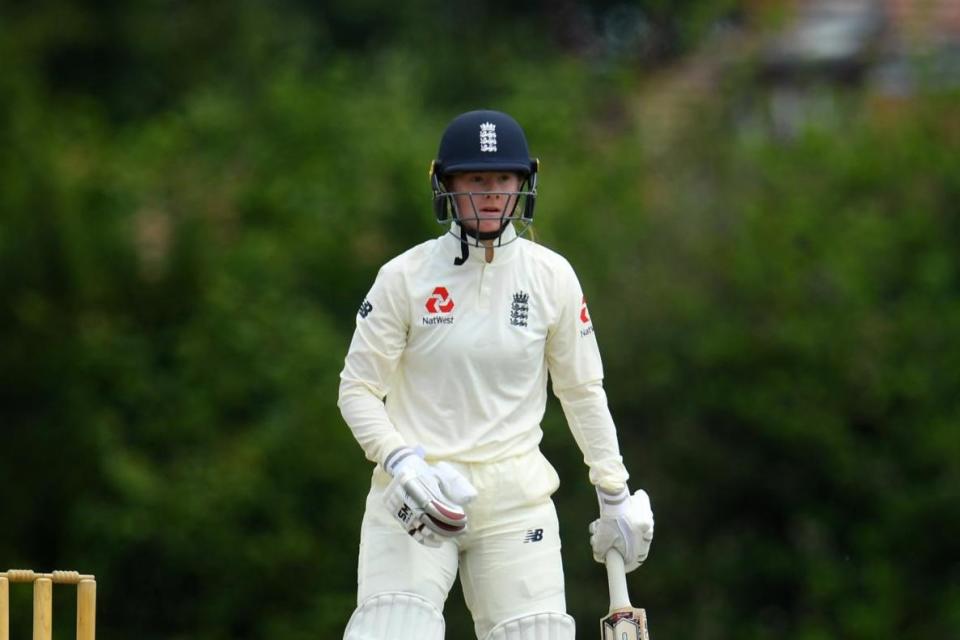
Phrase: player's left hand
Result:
[625,524]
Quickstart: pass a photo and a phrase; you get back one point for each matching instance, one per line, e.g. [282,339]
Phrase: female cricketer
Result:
[444,387]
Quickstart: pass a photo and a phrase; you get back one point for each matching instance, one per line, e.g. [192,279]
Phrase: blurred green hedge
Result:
[184,240]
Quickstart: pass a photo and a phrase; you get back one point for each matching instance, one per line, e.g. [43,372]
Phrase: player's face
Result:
[484,200]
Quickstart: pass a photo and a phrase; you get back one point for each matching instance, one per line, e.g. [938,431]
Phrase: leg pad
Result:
[395,616]
[549,625]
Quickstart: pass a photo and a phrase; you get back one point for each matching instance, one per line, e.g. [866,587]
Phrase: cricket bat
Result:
[623,622]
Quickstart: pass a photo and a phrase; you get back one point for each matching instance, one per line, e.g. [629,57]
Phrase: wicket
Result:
[43,601]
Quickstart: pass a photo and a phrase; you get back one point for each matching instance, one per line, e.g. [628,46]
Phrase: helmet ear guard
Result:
[441,206]
[531,181]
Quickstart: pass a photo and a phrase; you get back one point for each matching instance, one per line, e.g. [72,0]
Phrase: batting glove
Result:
[427,500]
[625,524]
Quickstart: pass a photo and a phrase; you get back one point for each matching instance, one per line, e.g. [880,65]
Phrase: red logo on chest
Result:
[584,316]
[440,301]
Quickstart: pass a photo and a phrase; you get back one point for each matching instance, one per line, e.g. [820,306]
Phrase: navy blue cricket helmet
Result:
[484,140]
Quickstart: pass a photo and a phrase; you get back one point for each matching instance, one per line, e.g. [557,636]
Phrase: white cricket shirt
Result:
[455,358]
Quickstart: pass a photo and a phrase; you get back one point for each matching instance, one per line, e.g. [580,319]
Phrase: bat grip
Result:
[617,581]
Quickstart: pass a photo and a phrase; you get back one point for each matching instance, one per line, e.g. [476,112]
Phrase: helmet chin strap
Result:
[464,247]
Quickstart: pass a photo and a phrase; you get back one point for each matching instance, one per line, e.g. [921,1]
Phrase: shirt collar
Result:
[451,245]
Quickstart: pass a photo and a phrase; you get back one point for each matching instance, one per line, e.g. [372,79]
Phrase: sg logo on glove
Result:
[405,515]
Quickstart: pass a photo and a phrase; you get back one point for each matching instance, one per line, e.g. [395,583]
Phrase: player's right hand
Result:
[427,500]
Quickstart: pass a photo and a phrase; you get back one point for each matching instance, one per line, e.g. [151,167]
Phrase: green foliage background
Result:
[196,196]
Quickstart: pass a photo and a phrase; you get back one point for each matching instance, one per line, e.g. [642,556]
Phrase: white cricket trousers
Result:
[509,559]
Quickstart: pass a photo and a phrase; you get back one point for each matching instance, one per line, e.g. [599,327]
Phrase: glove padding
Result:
[625,524]
[427,500]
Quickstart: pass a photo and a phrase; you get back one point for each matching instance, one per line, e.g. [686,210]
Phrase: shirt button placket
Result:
[483,299]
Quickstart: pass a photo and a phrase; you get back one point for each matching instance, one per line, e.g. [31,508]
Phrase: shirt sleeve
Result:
[576,371]
[378,342]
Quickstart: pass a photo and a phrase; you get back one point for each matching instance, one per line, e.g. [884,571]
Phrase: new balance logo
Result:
[365,309]
[533,535]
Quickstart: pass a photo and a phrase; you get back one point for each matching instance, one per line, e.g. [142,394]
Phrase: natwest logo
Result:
[439,301]
[587,327]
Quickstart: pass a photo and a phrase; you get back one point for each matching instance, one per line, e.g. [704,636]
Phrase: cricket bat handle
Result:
[617,581]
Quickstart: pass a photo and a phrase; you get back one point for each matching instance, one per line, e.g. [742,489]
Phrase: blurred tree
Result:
[196,197]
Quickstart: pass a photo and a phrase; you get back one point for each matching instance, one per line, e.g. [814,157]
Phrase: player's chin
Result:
[482,225]
[490,225]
